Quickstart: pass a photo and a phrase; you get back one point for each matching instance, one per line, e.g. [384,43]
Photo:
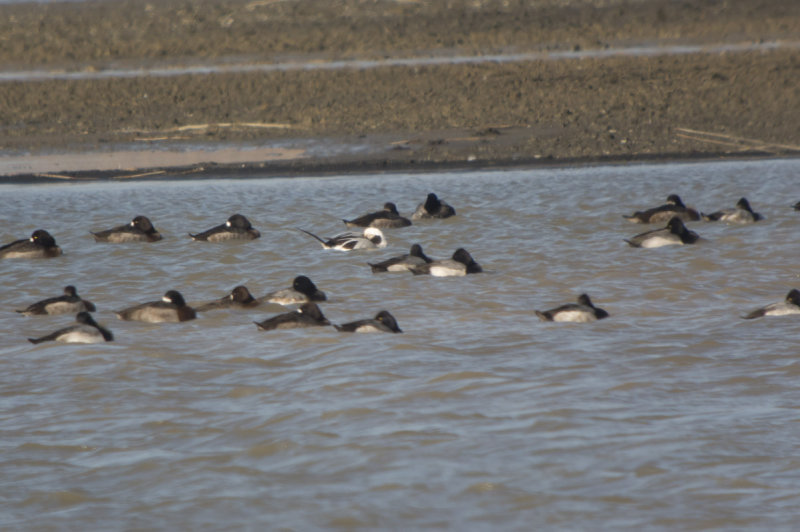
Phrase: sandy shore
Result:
[709,103]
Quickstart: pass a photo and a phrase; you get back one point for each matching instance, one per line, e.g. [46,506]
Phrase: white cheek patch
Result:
[228,223]
[165,299]
[133,224]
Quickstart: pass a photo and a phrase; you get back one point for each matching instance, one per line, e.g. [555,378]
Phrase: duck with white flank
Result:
[172,308]
[139,230]
[790,305]
[383,322]
[675,233]
[403,263]
[236,228]
[741,214]
[433,207]
[387,218]
[86,331]
[371,238]
[673,207]
[240,297]
[68,303]
[308,315]
[302,290]
[460,264]
[41,244]
[581,312]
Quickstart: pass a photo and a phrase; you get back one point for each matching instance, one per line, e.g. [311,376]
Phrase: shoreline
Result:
[323,168]
[568,97]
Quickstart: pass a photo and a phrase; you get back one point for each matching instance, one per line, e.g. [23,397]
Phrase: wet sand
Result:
[706,104]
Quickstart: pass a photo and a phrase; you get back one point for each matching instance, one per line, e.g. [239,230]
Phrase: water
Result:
[672,414]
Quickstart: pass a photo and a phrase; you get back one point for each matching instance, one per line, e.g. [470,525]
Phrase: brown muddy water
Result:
[674,413]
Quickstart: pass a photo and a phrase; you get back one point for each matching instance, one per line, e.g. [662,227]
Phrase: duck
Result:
[41,244]
[386,218]
[240,297]
[402,263]
[673,207]
[86,331]
[302,290]
[237,227]
[140,229]
[172,308]
[433,207]
[371,238]
[790,305]
[382,322]
[68,303]
[581,312]
[460,264]
[741,214]
[307,315]
[674,233]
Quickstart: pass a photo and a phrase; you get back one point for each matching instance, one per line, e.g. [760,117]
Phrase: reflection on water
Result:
[673,413]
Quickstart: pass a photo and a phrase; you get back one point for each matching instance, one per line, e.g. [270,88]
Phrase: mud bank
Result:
[702,104]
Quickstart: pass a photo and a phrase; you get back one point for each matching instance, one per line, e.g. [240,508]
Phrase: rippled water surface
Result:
[672,414]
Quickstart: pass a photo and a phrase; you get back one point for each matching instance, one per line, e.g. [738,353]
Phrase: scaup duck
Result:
[673,207]
[172,308]
[69,303]
[41,244]
[140,229]
[240,297]
[674,233]
[460,264]
[87,331]
[308,315]
[386,218]
[581,312]
[403,263]
[302,290]
[790,305]
[433,207]
[236,228]
[382,322]
[741,214]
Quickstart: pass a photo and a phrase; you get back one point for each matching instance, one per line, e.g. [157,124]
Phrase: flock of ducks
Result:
[173,308]
[303,292]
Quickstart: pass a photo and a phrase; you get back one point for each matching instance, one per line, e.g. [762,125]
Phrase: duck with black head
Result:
[581,312]
[86,331]
[433,207]
[675,233]
[172,309]
[140,229]
[307,315]
[461,263]
[237,227]
[240,297]
[663,213]
[302,290]
[41,244]
[382,322]
[387,218]
[68,303]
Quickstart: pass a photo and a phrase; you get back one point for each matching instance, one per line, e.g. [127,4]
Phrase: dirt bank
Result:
[578,109]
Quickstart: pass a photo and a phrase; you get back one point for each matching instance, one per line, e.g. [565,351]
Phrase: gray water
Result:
[674,413]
